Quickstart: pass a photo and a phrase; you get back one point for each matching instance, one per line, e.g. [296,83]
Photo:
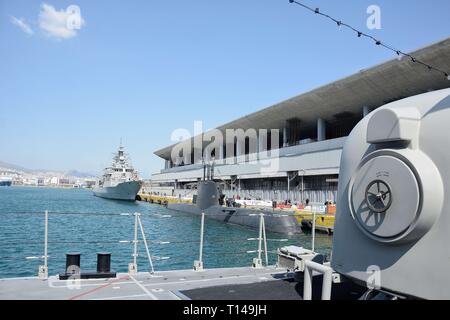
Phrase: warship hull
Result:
[123,191]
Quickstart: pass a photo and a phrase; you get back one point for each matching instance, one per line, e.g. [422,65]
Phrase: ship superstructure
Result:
[120,181]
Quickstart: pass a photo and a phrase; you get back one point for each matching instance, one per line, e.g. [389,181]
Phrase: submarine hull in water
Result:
[274,222]
[207,201]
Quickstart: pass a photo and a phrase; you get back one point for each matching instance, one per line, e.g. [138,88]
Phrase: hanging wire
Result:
[377,42]
[155,242]
[227,213]
[257,212]
[246,242]
[68,213]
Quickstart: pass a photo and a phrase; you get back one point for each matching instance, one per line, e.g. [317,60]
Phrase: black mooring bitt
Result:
[73,262]
[103,262]
[73,269]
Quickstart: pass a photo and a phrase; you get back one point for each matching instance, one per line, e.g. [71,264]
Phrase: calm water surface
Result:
[22,233]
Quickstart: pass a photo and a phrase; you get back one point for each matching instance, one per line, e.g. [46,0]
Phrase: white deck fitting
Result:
[163,285]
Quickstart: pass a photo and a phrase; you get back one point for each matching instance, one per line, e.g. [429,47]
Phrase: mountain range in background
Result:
[70,173]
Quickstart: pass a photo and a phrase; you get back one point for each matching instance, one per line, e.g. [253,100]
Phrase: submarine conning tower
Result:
[393,208]
[207,194]
[207,189]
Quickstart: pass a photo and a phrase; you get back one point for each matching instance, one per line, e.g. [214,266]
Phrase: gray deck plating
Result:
[165,285]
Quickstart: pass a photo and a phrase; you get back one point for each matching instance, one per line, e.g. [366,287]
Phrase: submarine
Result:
[210,201]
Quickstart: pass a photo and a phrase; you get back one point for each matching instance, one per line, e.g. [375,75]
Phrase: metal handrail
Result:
[327,272]
[262,246]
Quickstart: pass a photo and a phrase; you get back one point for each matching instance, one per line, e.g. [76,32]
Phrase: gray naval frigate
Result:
[120,181]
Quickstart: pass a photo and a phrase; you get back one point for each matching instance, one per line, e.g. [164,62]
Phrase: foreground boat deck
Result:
[165,285]
[269,283]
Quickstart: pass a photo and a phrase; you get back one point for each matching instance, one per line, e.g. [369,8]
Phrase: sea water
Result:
[80,222]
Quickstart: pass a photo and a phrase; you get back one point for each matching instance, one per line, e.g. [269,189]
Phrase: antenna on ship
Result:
[204,169]
[212,168]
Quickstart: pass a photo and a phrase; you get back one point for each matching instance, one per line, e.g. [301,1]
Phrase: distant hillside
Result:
[70,173]
[13,167]
[78,174]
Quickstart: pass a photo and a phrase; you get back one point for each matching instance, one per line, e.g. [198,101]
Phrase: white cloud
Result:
[22,25]
[59,24]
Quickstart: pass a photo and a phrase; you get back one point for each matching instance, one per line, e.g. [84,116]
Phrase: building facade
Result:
[292,150]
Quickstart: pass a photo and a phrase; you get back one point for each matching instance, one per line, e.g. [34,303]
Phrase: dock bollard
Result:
[103,262]
[73,262]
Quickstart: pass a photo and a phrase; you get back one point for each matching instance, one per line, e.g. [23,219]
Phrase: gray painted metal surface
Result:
[207,201]
[119,181]
[207,195]
[164,285]
[122,191]
[275,222]
[393,209]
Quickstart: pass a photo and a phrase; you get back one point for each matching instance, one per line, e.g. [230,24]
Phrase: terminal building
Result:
[313,127]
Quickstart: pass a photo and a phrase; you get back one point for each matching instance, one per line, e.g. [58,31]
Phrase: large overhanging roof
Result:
[373,87]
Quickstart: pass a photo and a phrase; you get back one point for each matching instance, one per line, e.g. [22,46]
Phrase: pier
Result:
[162,199]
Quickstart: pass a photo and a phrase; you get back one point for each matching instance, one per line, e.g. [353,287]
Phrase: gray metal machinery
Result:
[392,227]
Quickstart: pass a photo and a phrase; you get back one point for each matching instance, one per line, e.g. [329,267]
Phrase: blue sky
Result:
[137,70]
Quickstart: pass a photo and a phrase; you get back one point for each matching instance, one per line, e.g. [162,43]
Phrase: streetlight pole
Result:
[303,185]
[288,184]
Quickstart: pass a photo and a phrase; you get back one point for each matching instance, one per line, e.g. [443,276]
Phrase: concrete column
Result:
[321,130]
[207,155]
[198,155]
[229,153]
[262,140]
[366,111]
[285,137]
[240,152]
[187,158]
[220,153]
